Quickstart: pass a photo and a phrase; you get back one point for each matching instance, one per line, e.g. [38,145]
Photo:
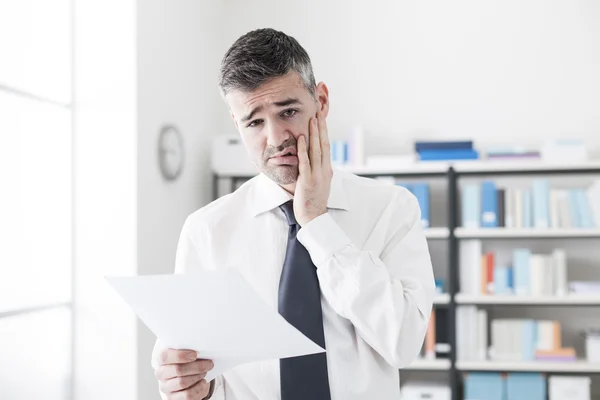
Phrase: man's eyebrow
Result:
[287,102]
[282,103]
[249,116]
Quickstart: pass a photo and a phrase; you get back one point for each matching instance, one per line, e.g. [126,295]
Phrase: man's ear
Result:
[322,95]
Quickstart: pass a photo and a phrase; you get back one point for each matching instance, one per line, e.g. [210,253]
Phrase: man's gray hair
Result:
[261,55]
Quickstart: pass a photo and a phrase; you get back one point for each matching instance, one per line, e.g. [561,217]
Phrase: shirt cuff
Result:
[322,237]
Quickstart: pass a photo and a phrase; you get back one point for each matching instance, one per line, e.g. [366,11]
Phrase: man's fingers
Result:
[174,356]
[314,149]
[170,371]
[196,392]
[180,383]
[325,143]
[303,160]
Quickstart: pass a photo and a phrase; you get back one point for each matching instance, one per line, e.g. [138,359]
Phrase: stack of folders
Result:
[446,151]
[538,206]
[511,339]
[437,343]
[525,274]
[496,386]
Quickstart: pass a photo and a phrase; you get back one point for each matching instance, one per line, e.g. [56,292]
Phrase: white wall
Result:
[498,71]
[105,198]
[177,83]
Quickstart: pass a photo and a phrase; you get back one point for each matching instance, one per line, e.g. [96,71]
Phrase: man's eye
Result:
[289,113]
[254,123]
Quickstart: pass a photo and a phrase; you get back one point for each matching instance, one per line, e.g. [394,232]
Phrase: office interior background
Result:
[86,87]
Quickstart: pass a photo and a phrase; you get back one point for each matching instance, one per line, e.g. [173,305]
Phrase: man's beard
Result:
[280,174]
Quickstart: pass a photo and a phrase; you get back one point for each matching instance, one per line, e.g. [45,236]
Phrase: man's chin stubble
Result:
[282,175]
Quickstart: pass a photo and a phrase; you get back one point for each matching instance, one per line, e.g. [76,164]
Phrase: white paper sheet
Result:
[216,313]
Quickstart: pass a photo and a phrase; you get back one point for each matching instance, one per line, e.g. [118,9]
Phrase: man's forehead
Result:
[272,91]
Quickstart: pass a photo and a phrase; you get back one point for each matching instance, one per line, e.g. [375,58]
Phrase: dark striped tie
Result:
[302,377]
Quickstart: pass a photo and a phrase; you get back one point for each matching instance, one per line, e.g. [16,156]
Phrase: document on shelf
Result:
[216,313]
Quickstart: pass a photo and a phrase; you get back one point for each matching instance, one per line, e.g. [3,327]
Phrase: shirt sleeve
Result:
[187,259]
[388,296]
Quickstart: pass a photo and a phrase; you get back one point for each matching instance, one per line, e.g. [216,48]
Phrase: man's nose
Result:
[277,134]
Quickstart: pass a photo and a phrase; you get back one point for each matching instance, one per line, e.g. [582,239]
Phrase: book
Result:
[573,209]
[518,223]
[470,266]
[509,206]
[451,145]
[521,275]
[541,199]
[501,207]
[554,209]
[593,195]
[585,212]
[441,155]
[527,209]
[442,339]
[471,205]
[489,205]
[564,211]
[559,263]
[482,334]
[421,192]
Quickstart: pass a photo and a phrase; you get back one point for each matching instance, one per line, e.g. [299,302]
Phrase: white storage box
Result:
[425,391]
[569,388]
[592,345]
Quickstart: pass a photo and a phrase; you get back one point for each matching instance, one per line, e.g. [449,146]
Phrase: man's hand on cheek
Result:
[314,179]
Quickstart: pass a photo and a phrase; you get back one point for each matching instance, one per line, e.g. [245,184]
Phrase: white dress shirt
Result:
[373,267]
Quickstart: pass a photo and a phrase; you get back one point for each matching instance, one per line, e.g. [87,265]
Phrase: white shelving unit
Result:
[443,298]
[573,299]
[532,233]
[533,366]
[429,365]
[437,233]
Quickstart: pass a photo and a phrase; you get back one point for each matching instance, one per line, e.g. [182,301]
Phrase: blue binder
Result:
[421,192]
[541,203]
[471,206]
[489,205]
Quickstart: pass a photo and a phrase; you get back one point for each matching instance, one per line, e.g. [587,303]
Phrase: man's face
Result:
[271,118]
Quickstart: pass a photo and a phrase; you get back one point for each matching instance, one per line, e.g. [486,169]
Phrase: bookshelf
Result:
[532,366]
[437,233]
[452,234]
[567,300]
[518,233]
[441,299]
[429,365]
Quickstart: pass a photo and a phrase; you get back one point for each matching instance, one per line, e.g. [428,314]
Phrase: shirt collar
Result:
[270,195]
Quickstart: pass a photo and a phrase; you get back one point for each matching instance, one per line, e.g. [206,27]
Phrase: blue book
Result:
[525,386]
[585,212]
[439,155]
[511,280]
[346,155]
[574,209]
[501,279]
[471,205]
[541,203]
[463,145]
[527,209]
[484,386]
[421,192]
[521,271]
[528,339]
[489,205]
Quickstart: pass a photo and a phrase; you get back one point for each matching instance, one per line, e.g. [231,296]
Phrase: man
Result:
[342,258]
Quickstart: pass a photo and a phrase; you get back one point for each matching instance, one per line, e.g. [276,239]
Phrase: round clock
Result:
[170,152]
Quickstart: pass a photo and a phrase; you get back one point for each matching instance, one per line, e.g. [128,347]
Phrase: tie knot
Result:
[288,210]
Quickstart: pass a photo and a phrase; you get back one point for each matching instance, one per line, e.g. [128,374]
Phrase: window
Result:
[36,198]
